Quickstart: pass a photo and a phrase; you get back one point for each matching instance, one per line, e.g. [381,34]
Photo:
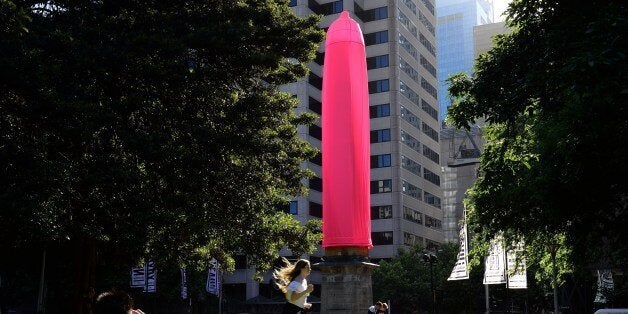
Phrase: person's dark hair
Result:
[113,302]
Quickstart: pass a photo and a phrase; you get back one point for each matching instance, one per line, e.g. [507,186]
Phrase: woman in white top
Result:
[291,280]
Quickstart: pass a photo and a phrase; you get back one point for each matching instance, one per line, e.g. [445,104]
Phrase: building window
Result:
[433,223]
[379,86]
[320,58]
[316,184]
[381,186]
[411,165]
[380,161]
[379,111]
[428,5]
[372,14]
[430,132]
[430,154]
[315,105]
[408,69]
[410,5]
[315,80]
[317,160]
[428,66]
[426,43]
[377,62]
[429,109]
[410,117]
[316,210]
[381,212]
[376,38]
[293,3]
[382,238]
[315,131]
[429,88]
[411,190]
[431,176]
[379,136]
[431,245]
[325,9]
[410,141]
[408,47]
[412,215]
[409,93]
[292,208]
[432,200]
[411,239]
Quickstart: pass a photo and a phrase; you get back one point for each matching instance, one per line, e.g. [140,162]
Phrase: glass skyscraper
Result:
[454,37]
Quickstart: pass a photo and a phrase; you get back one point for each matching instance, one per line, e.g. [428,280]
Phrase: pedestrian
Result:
[375,308]
[291,279]
[115,302]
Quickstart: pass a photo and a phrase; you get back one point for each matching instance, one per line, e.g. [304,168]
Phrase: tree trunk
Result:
[84,276]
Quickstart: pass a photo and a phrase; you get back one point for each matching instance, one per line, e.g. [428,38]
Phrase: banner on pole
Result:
[604,284]
[144,277]
[516,273]
[461,270]
[213,278]
[494,265]
[184,284]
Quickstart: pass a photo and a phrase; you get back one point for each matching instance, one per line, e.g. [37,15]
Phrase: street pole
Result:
[40,296]
[488,303]
[554,275]
[432,286]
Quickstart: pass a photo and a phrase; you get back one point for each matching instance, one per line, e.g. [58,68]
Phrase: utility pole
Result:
[431,259]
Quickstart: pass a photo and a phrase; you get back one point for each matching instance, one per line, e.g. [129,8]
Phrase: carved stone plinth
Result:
[346,283]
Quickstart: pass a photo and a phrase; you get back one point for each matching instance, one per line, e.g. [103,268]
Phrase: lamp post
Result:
[431,259]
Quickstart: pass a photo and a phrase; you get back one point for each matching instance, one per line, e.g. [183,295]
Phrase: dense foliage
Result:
[554,167]
[152,129]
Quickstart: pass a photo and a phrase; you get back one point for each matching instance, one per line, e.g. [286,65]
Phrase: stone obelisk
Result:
[346,282]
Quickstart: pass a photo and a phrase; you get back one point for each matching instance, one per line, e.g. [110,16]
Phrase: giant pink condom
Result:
[346,146]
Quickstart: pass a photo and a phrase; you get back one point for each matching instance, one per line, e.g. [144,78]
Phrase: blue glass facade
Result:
[454,37]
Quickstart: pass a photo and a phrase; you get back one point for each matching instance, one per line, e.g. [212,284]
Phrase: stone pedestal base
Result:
[346,285]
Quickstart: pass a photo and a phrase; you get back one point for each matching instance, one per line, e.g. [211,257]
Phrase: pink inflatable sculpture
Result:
[346,145]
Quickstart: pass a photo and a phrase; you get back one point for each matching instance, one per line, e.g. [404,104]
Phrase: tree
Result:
[554,94]
[149,129]
[405,281]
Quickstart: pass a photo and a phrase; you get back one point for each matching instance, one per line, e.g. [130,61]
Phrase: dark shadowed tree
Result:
[553,169]
[152,129]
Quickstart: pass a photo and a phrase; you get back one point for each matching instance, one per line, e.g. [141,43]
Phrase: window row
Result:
[380,161]
[410,141]
[407,46]
[379,136]
[327,8]
[381,186]
[406,91]
[381,212]
[410,165]
[430,154]
[433,134]
[432,200]
[428,5]
[371,14]
[378,111]
[379,86]
[433,223]
[429,109]
[382,238]
[428,66]
[411,190]
[410,117]
[412,215]
[376,38]
[412,239]
[429,88]
[427,23]
[405,21]
[426,43]
[408,69]
[377,62]
[315,80]
[431,177]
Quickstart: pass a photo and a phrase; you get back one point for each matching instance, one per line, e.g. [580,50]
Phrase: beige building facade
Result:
[405,141]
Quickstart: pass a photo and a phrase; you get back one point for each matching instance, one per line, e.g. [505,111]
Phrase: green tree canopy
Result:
[554,167]
[153,129]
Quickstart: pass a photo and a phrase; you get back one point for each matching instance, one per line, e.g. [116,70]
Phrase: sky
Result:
[500,6]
